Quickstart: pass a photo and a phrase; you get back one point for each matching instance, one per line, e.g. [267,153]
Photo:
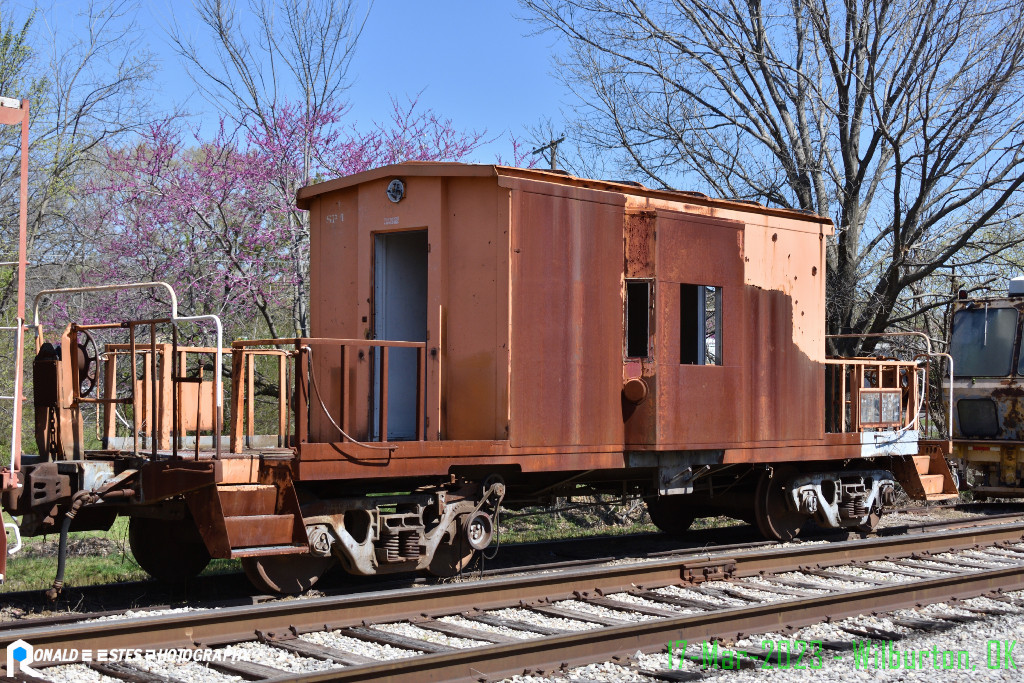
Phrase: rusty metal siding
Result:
[476,332]
[699,404]
[525,320]
[785,299]
[333,306]
[333,309]
[566,321]
[467,311]
[638,238]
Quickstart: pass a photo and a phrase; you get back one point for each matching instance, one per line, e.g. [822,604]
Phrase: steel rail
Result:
[233,624]
[601,644]
[684,552]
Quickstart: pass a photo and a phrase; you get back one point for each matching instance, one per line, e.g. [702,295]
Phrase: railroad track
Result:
[231,589]
[478,629]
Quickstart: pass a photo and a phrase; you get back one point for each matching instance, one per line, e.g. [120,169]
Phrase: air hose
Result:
[79,499]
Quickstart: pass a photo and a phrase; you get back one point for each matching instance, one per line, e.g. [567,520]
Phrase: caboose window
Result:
[982,343]
[700,325]
[638,318]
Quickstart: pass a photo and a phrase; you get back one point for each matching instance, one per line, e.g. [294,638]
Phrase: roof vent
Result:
[1017,286]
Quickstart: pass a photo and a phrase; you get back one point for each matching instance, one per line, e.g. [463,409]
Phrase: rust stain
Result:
[1008,392]
[1013,419]
[639,238]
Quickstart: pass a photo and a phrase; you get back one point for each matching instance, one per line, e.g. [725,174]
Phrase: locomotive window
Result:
[638,318]
[977,417]
[700,325]
[982,343]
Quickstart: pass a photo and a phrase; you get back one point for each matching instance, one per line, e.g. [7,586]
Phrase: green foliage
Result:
[15,55]
[593,519]
[94,557]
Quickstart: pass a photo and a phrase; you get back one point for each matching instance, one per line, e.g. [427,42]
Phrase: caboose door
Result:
[399,314]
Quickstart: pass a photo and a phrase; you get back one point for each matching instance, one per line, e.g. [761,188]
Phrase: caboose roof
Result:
[306,194]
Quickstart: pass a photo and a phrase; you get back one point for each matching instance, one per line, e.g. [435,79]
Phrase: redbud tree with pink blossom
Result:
[216,218]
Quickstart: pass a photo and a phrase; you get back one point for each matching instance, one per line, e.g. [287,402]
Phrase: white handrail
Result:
[103,288]
[175,318]
[16,414]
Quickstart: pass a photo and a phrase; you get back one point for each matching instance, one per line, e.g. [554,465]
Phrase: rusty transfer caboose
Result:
[486,336]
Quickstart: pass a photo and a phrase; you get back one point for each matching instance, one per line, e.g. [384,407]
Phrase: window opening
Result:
[982,343]
[700,325]
[638,318]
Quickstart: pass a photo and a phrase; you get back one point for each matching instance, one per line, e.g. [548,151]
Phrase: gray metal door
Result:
[400,314]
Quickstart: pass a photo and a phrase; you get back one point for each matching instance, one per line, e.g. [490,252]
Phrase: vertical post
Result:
[345,389]
[383,412]
[199,409]
[23,212]
[110,390]
[302,391]
[842,398]
[15,463]
[237,399]
[282,400]
[250,391]
[167,407]
[856,383]
[216,403]
[171,360]
[154,417]
[14,112]
[19,375]
[76,380]
[421,395]
[182,360]
[135,394]
[912,402]
[290,396]
[437,392]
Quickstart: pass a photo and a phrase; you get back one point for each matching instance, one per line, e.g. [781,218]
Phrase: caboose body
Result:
[487,337]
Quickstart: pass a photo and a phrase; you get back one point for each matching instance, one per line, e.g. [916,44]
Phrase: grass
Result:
[594,518]
[94,557]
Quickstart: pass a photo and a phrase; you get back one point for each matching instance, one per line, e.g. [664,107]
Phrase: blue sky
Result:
[473,62]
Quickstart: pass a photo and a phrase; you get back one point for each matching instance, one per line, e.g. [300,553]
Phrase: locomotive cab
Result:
[988,388]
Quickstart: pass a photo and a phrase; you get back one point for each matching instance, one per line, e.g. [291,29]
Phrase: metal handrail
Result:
[15,462]
[175,318]
[922,335]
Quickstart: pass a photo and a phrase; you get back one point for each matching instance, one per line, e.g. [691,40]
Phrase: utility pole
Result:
[15,113]
[553,146]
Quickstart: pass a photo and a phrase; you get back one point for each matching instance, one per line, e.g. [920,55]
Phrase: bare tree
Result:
[87,91]
[86,88]
[574,155]
[899,119]
[300,51]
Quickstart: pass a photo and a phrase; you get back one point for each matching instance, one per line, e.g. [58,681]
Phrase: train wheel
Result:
[451,558]
[774,518]
[670,514]
[168,550]
[286,574]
